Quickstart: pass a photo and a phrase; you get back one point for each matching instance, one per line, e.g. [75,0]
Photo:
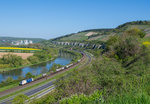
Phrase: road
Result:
[44,93]
[29,92]
[12,90]
[40,88]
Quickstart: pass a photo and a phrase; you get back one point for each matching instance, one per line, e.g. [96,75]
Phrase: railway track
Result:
[40,88]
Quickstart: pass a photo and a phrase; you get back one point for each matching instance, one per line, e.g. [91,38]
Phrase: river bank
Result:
[19,67]
[49,78]
[37,69]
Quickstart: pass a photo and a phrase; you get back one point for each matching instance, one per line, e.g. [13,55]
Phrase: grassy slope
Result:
[78,37]
[118,84]
[127,27]
[103,35]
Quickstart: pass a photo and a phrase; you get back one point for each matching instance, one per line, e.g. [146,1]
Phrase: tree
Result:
[135,32]
[128,47]
[33,59]
[29,75]
[41,55]
[9,79]
[20,78]
[20,99]
[112,40]
[142,34]
[55,66]
[13,60]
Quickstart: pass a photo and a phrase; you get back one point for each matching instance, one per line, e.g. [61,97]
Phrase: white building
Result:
[22,42]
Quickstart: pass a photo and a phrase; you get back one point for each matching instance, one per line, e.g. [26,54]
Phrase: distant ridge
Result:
[9,40]
[104,33]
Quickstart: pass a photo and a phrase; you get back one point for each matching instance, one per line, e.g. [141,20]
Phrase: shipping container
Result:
[44,75]
[58,69]
[63,68]
[79,60]
[29,80]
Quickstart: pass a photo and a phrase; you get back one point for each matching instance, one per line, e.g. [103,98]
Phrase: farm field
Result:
[23,55]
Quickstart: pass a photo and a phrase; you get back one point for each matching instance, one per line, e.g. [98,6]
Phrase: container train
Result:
[23,82]
[67,66]
[26,81]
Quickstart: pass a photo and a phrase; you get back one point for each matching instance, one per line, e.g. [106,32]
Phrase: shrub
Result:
[33,59]
[9,79]
[112,40]
[29,75]
[129,98]
[20,99]
[135,32]
[13,60]
[128,47]
[95,98]
[41,55]
[55,66]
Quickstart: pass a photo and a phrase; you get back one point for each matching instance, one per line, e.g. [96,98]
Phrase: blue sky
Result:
[52,18]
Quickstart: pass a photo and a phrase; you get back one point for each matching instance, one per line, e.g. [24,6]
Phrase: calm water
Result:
[63,59]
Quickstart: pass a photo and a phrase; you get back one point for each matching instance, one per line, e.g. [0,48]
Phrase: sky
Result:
[52,18]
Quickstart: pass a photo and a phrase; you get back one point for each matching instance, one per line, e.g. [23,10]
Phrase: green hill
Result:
[103,34]
[117,74]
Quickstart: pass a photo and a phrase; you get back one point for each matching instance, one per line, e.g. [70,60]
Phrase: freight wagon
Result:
[58,69]
[44,75]
[79,60]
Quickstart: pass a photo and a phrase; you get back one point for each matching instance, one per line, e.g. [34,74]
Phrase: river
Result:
[62,59]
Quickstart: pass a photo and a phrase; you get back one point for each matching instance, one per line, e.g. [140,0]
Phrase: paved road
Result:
[30,92]
[44,93]
[38,89]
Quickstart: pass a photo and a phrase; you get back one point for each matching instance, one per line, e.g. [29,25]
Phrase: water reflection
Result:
[63,59]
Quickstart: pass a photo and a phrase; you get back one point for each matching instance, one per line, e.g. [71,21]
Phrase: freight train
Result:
[26,81]
[67,66]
